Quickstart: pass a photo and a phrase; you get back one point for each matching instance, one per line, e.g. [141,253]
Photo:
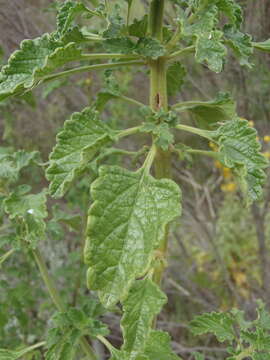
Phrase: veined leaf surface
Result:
[35,59]
[144,301]
[240,150]
[126,223]
[83,135]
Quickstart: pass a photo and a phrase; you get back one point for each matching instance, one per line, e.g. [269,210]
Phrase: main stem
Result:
[159,100]
[52,289]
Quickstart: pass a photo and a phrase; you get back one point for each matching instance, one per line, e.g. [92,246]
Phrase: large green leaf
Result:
[240,150]
[143,303]
[82,137]
[126,223]
[36,58]
[28,212]
[220,324]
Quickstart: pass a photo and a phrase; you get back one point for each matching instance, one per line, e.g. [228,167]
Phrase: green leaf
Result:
[126,223]
[150,48]
[139,27]
[66,14]
[36,58]
[232,10]
[209,113]
[240,43]
[263,320]
[263,45]
[77,144]
[240,151]
[28,211]
[122,45]
[210,50]
[158,346]
[175,78]
[143,303]
[257,339]
[69,326]
[12,163]
[220,324]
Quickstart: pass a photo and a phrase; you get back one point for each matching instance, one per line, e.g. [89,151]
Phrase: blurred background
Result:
[219,250]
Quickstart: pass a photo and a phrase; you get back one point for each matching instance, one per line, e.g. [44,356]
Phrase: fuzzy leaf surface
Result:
[126,223]
[240,150]
[79,141]
[36,58]
[143,303]
[220,324]
[158,346]
[28,211]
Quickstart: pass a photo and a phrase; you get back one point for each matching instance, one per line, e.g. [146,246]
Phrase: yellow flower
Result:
[267,154]
[266,138]
[218,164]
[229,187]
[213,146]
[251,123]
[226,172]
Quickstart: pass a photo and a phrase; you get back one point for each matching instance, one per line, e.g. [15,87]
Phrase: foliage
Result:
[129,217]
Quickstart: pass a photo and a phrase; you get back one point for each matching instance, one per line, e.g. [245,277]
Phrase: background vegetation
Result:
[219,251]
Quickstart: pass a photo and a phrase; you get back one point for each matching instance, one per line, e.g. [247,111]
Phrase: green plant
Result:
[128,221]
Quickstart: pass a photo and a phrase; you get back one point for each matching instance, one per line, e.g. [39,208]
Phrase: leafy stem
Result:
[52,289]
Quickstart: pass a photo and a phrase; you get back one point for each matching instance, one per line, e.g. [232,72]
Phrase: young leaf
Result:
[12,163]
[232,10]
[220,324]
[29,212]
[139,27]
[211,50]
[35,59]
[240,43]
[158,346]
[240,150]
[82,137]
[69,326]
[126,223]
[175,77]
[66,14]
[143,303]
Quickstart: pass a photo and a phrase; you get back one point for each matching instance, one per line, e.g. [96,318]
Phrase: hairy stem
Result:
[52,289]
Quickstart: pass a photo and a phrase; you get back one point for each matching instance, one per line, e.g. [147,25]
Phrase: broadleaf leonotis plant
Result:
[128,222]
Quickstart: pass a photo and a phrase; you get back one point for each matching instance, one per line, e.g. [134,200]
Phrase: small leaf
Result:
[139,27]
[175,77]
[150,48]
[143,303]
[240,43]
[126,223]
[240,150]
[66,14]
[232,10]
[28,211]
[82,137]
[158,347]
[210,50]
[220,324]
